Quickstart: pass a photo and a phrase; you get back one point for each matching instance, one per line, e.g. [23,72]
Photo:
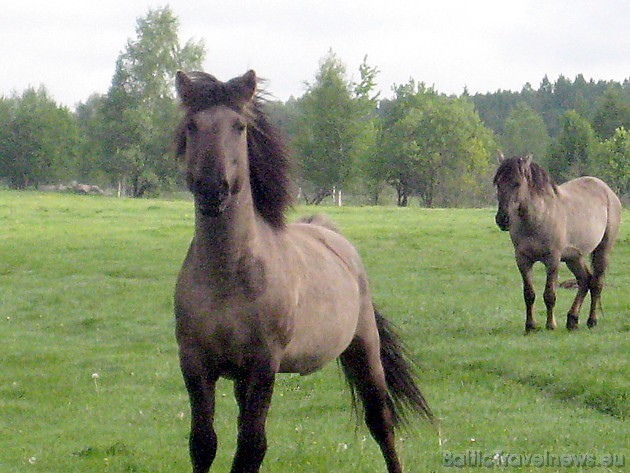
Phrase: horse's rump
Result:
[592,211]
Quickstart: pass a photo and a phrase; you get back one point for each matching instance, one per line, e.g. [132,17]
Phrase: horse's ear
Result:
[500,157]
[180,141]
[243,87]
[183,85]
[528,159]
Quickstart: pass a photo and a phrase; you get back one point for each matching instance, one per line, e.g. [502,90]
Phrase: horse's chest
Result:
[223,321]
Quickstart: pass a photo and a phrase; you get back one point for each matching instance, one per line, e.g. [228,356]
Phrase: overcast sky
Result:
[71,46]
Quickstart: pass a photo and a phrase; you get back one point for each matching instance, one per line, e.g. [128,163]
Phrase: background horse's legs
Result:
[525,267]
[549,296]
[361,363]
[583,276]
[599,263]
[201,390]
[253,394]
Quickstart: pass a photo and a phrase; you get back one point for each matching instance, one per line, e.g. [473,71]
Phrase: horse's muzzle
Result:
[211,201]
[503,221]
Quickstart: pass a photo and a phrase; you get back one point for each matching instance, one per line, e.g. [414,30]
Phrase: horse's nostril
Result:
[503,222]
[224,187]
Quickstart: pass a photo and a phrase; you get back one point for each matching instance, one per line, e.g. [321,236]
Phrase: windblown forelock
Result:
[513,169]
[207,91]
[507,171]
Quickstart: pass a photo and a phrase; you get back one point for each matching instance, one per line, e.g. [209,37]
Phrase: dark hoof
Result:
[591,323]
[531,329]
[572,322]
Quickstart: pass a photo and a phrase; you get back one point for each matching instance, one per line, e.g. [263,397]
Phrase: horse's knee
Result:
[529,295]
[550,298]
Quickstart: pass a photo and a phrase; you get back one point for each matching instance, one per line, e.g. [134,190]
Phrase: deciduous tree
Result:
[525,133]
[611,161]
[139,112]
[38,140]
[333,127]
[435,147]
[569,156]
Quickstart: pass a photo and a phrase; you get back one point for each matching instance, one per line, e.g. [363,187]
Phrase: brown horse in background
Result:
[257,296]
[550,224]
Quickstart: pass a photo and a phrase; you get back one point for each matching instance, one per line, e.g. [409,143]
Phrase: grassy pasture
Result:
[89,380]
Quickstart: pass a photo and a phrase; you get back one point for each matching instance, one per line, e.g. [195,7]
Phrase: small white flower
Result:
[95,379]
[342,446]
[32,460]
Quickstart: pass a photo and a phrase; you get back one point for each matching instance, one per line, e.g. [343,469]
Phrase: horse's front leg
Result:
[525,267]
[549,296]
[200,384]
[253,393]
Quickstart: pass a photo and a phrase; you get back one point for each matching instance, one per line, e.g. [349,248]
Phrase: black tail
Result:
[404,396]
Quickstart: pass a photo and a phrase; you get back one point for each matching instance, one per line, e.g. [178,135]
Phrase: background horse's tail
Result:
[403,395]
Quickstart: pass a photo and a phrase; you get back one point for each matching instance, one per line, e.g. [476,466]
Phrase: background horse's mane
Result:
[269,164]
[538,179]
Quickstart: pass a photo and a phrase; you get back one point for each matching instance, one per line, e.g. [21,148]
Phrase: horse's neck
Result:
[222,244]
[535,211]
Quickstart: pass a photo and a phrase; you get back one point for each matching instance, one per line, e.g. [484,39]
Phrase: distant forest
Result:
[350,144]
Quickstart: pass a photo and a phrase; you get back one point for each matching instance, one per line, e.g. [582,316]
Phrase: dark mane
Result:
[512,169]
[269,163]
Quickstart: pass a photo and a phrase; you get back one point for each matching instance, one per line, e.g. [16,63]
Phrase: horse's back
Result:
[320,235]
[593,212]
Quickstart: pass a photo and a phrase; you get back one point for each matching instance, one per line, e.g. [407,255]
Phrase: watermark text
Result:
[479,458]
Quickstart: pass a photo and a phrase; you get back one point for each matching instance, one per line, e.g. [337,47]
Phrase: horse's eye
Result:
[191,127]
[239,126]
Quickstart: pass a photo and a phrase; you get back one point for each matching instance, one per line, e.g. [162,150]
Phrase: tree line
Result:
[346,139]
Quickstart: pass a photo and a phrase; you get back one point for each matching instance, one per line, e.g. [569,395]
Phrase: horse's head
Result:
[212,137]
[511,181]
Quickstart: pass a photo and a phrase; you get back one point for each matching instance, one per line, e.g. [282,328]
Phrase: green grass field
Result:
[89,378]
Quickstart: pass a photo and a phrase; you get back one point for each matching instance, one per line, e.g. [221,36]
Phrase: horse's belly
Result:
[583,238]
[320,336]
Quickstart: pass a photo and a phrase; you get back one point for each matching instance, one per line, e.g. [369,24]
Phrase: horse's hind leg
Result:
[201,391]
[599,263]
[583,277]
[253,393]
[362,366]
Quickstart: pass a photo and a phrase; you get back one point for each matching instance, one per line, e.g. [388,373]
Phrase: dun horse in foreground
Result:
[256,296]
[551,223]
